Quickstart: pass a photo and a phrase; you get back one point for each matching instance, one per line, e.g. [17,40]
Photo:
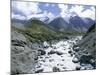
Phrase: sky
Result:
[50,11]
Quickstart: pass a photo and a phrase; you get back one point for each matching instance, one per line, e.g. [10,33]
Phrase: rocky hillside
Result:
[86,48]
[26,44]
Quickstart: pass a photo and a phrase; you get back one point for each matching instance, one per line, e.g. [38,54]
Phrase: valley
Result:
[37,47]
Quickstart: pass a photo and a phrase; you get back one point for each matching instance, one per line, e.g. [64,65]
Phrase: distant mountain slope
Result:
[37,30]
[59,24]
[76,24]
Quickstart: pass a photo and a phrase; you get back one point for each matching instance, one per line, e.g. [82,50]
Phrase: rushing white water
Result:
[63,61]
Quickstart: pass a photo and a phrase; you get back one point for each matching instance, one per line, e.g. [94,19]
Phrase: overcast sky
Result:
[28,10]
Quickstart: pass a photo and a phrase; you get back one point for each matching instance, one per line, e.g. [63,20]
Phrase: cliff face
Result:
[87,47]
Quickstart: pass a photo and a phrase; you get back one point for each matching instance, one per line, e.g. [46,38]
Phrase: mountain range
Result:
[75,24]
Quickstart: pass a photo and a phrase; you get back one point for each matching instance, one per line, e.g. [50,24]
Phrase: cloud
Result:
[28,10]
[63,9]
[76,10]
[25,8]
[87,13]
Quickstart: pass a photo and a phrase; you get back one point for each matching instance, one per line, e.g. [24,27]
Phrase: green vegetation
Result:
[38,31]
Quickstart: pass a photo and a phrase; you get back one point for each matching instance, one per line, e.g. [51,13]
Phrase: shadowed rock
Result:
[41,52]
[39,71]
[56,69]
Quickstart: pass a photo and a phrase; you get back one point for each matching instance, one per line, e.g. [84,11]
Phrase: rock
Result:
[47,57]
[70,52]
[71,55]
[51,60]
[51,52]
[23,57]
[63,59]
[61,65]
[46,45]
[56,69]
[86,59]
[59,53]
[41,52]
[78,68]
[75,60]
[64,67]
[54,48]
[39,71]
[43,60]
[58,64]
[76,50]
[36,58]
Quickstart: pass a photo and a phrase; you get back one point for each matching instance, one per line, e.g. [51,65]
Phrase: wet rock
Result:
[61,65]
[58,64]
[70,52]
[46,45]
[54,48]
[36,58]
[64,67]
[61,56]
[59,53]
[43,60]
[41,52]
[46,57]
[76,50]
[78,68]
[75,60]
[41,57]
[51,52]
[39,71]
[63,59]
[71,55]
[56,69]
[51,60]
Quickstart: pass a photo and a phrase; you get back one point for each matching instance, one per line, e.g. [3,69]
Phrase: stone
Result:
[39,71]
[64,67]
[70,52]
[56,69]
[46,45]
[76,50]
[78,68]
[59,53]
[75,60]
[41,52]
[63,59]
[51,52]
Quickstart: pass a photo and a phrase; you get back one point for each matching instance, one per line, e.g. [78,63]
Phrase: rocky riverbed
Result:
[59,56]
[55,56]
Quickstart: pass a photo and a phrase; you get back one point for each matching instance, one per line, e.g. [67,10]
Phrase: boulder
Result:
[39,71]
[75,60]
[56,69]
[51,52]
[41,52]
[59,53]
